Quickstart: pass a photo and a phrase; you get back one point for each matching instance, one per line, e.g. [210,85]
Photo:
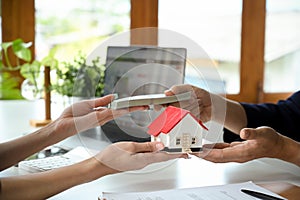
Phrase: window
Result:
[282,46]
[215,26]
[244,31]
[76,25]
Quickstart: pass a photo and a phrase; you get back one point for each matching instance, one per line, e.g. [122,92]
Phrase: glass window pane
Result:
[282,47]
[76,25]
[215,26]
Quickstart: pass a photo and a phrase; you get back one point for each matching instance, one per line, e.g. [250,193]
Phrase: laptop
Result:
[139,70]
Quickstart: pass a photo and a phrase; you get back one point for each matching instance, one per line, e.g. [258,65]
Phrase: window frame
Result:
[144,13]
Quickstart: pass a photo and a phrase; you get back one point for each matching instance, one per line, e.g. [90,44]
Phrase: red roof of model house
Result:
[167,120]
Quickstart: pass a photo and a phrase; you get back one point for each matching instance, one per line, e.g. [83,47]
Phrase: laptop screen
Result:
[140,70]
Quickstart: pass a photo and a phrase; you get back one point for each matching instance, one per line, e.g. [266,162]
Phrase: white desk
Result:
[15,116]
[180,173]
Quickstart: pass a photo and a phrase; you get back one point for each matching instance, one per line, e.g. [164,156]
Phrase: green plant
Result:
[29,69]
[80,79]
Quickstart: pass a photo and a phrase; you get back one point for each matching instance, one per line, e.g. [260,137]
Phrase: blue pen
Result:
[260,195]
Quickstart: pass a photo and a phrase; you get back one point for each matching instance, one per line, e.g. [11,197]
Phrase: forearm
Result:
[235,117]
[290,151]
[46,184]
[16,150]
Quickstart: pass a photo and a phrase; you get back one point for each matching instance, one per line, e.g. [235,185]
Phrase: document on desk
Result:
[224,192]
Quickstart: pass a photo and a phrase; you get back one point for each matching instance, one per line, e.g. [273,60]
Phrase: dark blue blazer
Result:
[283,116]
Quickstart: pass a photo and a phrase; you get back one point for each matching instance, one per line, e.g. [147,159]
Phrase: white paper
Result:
[223,192]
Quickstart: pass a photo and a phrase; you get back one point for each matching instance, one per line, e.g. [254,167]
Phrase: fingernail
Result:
[185,156]
[115,95]
[159,146]
[246,133]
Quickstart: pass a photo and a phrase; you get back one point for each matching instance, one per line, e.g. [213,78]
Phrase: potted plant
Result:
[79,79]
[29,69]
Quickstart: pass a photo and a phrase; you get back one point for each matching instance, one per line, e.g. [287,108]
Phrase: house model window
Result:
[178,129]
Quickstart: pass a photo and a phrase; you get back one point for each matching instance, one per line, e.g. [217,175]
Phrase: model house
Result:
[178,129]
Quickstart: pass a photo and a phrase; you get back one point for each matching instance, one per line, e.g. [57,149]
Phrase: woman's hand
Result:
[89,114]
[115,158]
[126,156]
[260,142]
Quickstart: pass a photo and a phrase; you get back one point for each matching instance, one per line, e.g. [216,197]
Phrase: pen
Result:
[260,195]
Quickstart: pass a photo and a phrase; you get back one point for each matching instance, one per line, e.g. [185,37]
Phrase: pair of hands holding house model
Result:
[257,142]
[117,157]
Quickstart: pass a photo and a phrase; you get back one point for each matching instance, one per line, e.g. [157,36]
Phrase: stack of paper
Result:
[222,192]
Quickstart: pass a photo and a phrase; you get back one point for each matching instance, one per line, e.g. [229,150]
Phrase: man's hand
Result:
[260,142]
[200,103]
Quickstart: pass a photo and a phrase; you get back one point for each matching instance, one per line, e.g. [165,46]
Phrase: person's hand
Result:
[82,115]
[127,156]
[200,103]
[208,106]
[260,142]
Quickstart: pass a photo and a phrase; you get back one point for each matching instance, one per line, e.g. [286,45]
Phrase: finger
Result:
[191,104]
[93,119]
[177,89]
[217,155]
[159,107]
[148,158]
[148,147]
[137,108]
[216,146]
[103,101]
[195,109]
[232,144]
[99,103]
[169,93]
[164,156]
[248,134]
[106,114]
[239,153]
[182,105]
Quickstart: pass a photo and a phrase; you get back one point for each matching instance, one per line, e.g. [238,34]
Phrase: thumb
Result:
[169,93]
[148,147]
[103,101]
[248,133]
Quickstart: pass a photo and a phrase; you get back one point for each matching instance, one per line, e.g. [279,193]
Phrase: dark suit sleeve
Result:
[284,117]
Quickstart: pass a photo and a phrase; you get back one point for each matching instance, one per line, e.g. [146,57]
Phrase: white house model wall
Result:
[185,135]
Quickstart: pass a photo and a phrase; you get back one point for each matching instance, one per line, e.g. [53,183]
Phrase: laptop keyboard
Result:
[48,163]
[44,164]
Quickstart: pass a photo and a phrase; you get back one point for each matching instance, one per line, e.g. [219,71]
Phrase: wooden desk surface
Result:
[285,189]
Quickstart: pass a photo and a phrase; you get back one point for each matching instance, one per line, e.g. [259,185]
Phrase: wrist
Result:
[218,108]
[62,130]
[291,151]
[236,118]
[96,169]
